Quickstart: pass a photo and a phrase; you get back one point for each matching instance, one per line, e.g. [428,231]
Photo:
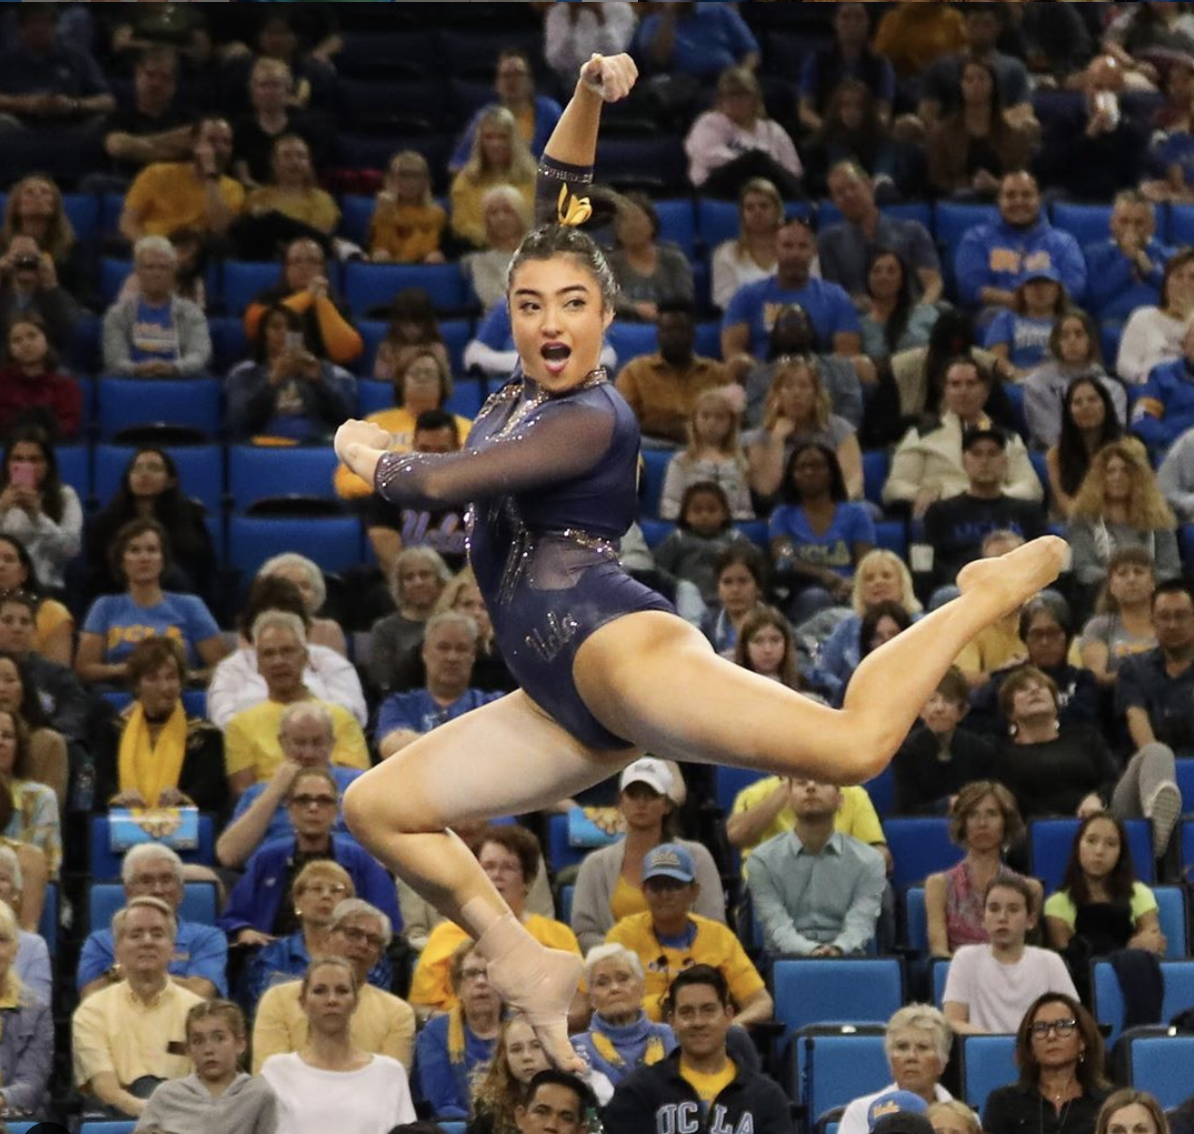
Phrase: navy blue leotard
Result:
[551,483]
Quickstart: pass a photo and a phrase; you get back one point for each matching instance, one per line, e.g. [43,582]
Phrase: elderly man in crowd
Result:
[252,748]
[129,1037]
[306,734]
[449,651]
[260,907]
[199,956]
[156,333]
[383,1024]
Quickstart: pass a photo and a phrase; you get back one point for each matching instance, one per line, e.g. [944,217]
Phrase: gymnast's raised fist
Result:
[611,76]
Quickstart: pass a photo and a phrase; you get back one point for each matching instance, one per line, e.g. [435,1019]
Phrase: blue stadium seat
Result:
[892,535]
[468,396]
[561,853]
[1181,224]
[881,789]
[111,206]
[839,1068]
[106,1127]
[875,466]
[105,863]
[1086,223]
[755,531]
[229,344]
[457,333]
[1171,913]
[658,162]
[953,219]
[374,396]
[836,990]
[74,468]
[1185,778]
[916,925]
[200,471]
[83,211]
[372,331]
[105,898]
[938,974]
[677,223]
[1015,397]
[243,280]
[192,402]
[728,782]
[84,354]
[717,221]
[1108,999]
[652,472]
[632,340]
[1109,336]
[987,1062]
[1050,840]
[256,472]
[333,543]
[564,905]
[367,286]
[656,531]
[919,847]
[708,339]
[113,273]
[1163,1066]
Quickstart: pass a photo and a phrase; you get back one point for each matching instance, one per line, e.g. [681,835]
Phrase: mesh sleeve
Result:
[553,176]
[559,442]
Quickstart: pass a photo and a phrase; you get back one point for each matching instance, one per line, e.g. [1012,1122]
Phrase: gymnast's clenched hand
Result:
[611,76]
[355,437]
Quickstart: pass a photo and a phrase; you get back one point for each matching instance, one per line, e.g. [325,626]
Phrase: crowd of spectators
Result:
[900,287]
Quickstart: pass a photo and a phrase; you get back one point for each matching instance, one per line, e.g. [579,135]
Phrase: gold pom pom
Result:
[571,209]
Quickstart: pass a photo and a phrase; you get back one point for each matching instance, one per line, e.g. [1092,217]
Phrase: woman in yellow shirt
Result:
[54,634]
[293,194]
[407,223]
[500,156]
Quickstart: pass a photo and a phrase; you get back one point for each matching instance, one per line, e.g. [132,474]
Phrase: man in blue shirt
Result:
[307,736]
[993,257]
[751,314]
[1125,271]
[449,651]
[200,951]
[698,40]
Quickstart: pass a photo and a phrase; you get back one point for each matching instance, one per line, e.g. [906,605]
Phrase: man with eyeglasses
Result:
[307,736]
[199,957]
[260,908]
[382,1024]
[669,938]
[699,1086]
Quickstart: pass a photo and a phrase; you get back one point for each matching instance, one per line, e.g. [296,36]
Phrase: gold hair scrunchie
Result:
[571,209]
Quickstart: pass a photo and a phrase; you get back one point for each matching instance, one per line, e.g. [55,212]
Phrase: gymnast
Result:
[606,669]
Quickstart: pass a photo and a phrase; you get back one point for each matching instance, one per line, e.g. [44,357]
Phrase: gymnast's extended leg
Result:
[653,679]
[508,757]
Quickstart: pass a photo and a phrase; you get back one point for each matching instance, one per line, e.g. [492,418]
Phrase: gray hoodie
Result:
[185,1106]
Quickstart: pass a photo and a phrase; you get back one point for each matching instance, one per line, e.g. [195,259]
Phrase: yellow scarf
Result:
[456,1035]
[572,210]
[612,1056]
[146,767]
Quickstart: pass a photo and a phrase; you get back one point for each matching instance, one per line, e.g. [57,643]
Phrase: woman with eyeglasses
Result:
[1059,1052]
[318,888]
[456,1047]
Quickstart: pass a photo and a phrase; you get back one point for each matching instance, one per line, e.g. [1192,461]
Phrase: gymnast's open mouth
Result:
[556,356]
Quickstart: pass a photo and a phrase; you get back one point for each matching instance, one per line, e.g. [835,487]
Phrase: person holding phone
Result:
[286,391]
[36,507]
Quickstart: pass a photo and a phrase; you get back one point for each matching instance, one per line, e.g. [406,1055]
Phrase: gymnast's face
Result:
[558,318]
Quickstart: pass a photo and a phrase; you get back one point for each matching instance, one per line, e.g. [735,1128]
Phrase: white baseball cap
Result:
[654,773]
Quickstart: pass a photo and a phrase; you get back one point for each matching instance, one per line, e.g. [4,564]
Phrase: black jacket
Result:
[751,1102]
[1022,1110]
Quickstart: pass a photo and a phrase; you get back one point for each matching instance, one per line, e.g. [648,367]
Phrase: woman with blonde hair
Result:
[27,1054]
[799,411]
[750,256]
[954,1117]
[407,223]
[736,141]
[714,455]
[35,209]
[881,576]
[506,218]
[1130,1109]
[499,156]
[984,820]
[1120,505]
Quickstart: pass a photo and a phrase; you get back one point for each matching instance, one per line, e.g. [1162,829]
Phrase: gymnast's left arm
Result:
[559,442]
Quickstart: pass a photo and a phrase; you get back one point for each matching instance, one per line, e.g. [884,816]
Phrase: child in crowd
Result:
[714,454]
[689,555]
[1021,335]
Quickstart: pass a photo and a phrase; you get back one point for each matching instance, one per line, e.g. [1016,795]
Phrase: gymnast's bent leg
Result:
[507,757]
[651,678]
